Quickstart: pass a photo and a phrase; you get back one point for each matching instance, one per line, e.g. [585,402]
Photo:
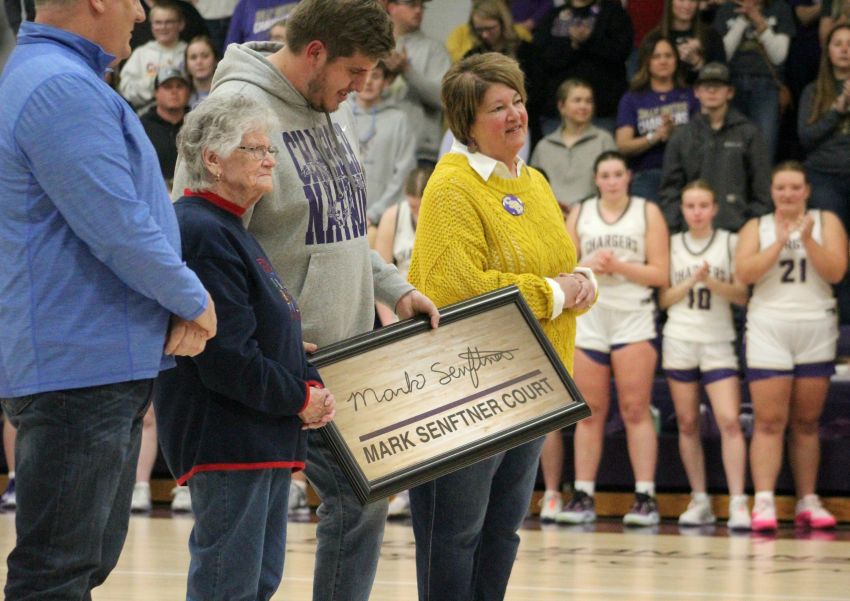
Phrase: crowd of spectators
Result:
[642,92]
[684,90]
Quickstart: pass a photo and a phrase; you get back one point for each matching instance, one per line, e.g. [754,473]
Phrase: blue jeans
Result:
[465,525]
[646,184]
[75,460]
[758,98]
[238,542]
[349,534]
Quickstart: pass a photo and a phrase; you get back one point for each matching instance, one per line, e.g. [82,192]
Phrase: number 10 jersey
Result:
[702,316]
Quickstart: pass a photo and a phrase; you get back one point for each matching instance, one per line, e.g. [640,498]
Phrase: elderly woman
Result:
[232,420]
[487,221]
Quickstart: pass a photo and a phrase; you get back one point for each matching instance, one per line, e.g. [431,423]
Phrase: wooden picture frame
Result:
[415,403]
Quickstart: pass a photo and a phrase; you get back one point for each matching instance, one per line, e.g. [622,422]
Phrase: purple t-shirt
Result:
[252,19]
[644,110]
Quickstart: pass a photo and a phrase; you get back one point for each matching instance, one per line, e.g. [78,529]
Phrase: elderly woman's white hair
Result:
[218,124]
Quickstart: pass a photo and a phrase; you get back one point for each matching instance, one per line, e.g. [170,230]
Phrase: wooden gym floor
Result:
[596,563]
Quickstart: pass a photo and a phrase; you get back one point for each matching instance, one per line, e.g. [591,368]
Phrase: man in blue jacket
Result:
[92,293]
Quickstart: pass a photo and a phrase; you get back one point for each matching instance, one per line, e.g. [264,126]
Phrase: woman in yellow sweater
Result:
[488,221]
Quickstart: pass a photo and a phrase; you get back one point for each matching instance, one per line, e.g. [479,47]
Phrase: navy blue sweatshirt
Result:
[235,406]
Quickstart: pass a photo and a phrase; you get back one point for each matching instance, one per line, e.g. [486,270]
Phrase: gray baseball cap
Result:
[715,72]
[167,73]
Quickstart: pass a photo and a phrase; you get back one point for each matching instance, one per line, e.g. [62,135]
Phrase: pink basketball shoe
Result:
[764,516]
[809,512]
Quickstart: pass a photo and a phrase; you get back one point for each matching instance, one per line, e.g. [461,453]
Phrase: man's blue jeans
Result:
[239,538]
[75,457]
[465,525]
[349,534]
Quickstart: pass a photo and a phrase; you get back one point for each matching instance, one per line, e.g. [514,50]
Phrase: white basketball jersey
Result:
[626,237]
[701,316]
[792,288]
[405,232]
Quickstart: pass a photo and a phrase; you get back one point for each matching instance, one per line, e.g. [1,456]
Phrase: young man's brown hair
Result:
[345,27]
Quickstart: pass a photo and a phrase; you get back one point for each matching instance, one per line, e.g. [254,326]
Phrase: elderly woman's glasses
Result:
[258,153]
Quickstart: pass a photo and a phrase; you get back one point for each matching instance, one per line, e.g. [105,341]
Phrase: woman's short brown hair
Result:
[466,82]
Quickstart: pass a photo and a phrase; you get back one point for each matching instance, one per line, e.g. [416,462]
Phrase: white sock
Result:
[143,484]
[735,499]
[700,497]
[12,475]
[300,484]
[764,495]
[646,487]
[588,487]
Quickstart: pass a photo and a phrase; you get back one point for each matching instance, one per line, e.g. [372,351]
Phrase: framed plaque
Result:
[413,403]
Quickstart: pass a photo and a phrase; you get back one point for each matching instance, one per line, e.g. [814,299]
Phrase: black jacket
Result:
[18,11]
[600,60]
[163,136]
[733,159]
[827,140]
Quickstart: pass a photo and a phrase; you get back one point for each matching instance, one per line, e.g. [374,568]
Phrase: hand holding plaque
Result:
[320,409]
[416,403]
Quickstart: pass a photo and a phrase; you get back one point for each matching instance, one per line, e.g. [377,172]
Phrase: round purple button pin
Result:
[513,205]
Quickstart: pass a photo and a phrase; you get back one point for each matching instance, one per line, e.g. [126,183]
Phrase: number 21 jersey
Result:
[791,288]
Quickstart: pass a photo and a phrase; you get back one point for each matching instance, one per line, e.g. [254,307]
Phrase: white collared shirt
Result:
[486,166]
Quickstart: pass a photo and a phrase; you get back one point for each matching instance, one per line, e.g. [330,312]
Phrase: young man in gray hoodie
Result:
[313,227]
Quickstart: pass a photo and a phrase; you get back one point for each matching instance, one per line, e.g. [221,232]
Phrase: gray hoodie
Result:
[313,224]
[418,90]
[388,151]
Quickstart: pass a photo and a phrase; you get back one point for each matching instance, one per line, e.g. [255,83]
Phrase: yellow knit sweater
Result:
[468,244]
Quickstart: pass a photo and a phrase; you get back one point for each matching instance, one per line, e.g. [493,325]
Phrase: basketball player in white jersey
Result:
[698,344]
[791,256]
[624,241]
